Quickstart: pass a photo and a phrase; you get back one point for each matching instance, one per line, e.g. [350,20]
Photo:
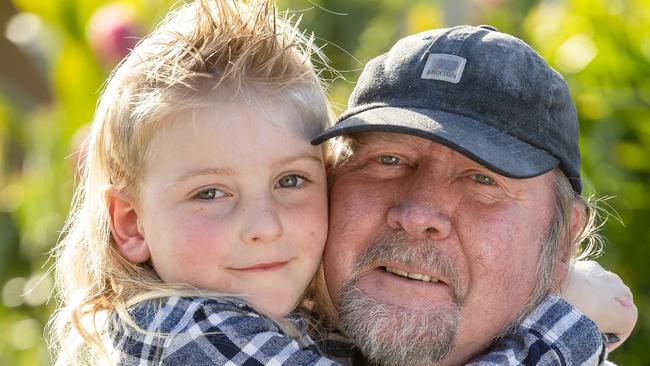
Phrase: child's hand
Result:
[603,297]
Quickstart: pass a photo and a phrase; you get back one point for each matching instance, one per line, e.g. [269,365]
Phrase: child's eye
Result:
[483,179]
[209,194]
[388,160]
[290,181]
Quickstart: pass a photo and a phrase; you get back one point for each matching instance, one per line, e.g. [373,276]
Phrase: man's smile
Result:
[411,275]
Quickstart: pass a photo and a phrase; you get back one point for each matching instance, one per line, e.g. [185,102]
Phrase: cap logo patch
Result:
[441,66]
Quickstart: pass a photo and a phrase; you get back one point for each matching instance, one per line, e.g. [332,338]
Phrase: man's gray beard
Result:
[393,335]
[396,336]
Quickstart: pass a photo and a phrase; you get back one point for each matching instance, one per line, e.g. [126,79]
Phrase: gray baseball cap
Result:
[483,93]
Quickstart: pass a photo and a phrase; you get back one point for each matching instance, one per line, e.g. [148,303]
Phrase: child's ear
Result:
[126,232]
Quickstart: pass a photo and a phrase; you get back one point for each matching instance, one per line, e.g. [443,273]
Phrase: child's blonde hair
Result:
[198,51]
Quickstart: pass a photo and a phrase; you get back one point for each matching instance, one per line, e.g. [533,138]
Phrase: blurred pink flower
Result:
[112,32]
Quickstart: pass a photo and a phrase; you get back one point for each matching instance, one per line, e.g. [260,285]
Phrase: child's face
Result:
[235,200]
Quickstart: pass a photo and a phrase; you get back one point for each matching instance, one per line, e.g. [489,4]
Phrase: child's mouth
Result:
[270,266]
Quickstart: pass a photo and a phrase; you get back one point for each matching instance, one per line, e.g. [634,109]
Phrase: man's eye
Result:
[209,194]
[388,160]
[291,181]
[483,179]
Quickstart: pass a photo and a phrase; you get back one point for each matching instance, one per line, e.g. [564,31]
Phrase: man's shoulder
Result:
[553,333]
[573,336]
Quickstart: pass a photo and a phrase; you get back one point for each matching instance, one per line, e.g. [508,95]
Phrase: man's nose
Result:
[423,210]
[260,220]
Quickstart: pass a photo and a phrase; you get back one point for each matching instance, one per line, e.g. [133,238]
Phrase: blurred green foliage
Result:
[53,67]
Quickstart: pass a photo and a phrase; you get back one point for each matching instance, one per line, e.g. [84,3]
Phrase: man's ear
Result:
[578,219]
[568,247]
[126,232]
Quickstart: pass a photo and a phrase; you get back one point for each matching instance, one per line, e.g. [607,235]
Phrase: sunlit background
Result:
[54,56]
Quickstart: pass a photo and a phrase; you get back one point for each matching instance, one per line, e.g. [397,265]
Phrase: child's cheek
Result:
[310,223]
[204,237]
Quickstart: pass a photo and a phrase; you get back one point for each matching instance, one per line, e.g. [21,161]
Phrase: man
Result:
[458,208]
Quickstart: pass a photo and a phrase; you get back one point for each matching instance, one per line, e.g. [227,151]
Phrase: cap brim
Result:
[478,141]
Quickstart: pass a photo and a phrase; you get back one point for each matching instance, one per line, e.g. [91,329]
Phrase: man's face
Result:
[430,252]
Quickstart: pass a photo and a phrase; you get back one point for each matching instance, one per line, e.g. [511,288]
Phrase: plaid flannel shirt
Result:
[208,331]
[555,333]
[227,331]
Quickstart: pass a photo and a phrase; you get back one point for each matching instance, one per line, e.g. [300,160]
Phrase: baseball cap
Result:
[483,93]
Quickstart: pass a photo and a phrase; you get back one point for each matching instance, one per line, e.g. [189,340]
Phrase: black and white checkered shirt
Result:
[227,331]
[208,331]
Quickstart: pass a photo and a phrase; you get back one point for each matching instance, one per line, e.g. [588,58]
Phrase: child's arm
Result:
[603,297]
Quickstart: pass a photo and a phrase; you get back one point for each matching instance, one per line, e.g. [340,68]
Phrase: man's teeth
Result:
[415,276]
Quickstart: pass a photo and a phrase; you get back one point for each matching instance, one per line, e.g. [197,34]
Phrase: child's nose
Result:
[261,221]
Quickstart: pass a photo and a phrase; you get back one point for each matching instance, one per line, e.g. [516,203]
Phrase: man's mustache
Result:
[423,255]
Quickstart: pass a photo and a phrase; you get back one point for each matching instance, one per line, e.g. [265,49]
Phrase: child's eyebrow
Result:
[205,171]
[229,171]
[293,158]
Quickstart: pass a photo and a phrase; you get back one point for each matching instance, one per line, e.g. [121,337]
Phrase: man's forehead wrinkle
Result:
[367,139]
[404,140]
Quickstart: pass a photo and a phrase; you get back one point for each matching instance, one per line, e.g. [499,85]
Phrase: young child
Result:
[200,182]
[202,211]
